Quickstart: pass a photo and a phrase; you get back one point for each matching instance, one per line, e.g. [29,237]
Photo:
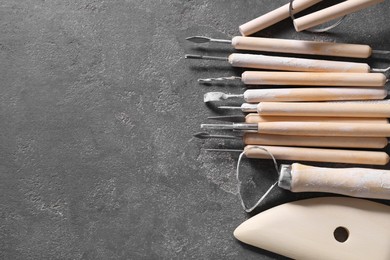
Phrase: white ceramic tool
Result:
[323,229]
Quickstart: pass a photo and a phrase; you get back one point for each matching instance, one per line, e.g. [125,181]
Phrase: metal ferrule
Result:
[285,177]
[245,127]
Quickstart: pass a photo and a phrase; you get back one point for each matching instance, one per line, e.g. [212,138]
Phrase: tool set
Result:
[298,124]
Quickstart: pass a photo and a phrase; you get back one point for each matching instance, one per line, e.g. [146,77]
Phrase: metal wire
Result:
[250,209]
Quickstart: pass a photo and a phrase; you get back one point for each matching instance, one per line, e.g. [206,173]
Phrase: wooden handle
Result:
[314,79]
[274,16]
[332,12]
[301,47]
[294,64]
[318,155]
[355,182]
[317,141]
[313,94]
[324,129]
[324,109]
[256,118]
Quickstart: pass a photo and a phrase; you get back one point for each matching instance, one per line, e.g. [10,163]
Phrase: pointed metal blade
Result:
[198,39]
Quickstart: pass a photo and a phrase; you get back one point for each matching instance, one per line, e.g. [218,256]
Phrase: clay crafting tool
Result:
[256,118]
[300,94]
[329,228]
[308,141]
[275,16]
[317,109]
[256,61]
[308,128]
[312,154]
[332,12]
[333,79]
[355,182]
[294,46]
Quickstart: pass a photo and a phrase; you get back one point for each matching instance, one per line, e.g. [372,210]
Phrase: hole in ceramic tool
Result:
[341,234]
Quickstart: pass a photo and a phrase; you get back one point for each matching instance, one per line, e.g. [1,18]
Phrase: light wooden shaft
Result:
[256,118]
[301,47]
[274,16]
[256,61]
[318,155]
[332,12]
[314,78]
[324,109]
[314,94]
[324,129]
[355,182]
[304,229]
[316,141]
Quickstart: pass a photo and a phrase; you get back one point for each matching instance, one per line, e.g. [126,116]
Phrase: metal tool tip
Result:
[198,39]
[201,135]
[213,96]
[193,56]
[217,126]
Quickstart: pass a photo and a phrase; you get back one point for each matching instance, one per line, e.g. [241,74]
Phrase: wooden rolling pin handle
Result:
[356,182]
[301,47]
[318,109]
[324,129]
[318,155]
[274,16]
[314,79]
[332,12]
[295,64]
[256,118]
[313,94]
[318,141]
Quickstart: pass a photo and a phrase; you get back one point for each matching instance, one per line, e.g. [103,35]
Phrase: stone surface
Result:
[98,108]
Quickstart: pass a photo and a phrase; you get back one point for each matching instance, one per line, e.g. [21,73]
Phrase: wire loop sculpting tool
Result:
[294,46]
[355,182]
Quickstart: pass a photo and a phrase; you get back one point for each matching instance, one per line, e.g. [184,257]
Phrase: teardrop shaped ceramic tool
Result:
[316,109]
[331,13]
[329,228]
[307,79]
[308,141]
[256,61]
[308,128]
[256,118]
[355,182]
[301,94]
[295,46]
[275,16]
[312,154]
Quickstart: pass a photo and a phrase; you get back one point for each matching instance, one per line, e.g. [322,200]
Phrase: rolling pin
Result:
[327,228]
[332,12]
[355,182]
[313,79]
[317,155]
[256,118]
[274,16]
[315,141]
[318,109]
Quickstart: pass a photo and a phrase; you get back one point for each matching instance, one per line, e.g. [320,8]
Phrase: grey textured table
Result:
[98,108]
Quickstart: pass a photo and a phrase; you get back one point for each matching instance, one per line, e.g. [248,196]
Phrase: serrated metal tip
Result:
[198,39]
